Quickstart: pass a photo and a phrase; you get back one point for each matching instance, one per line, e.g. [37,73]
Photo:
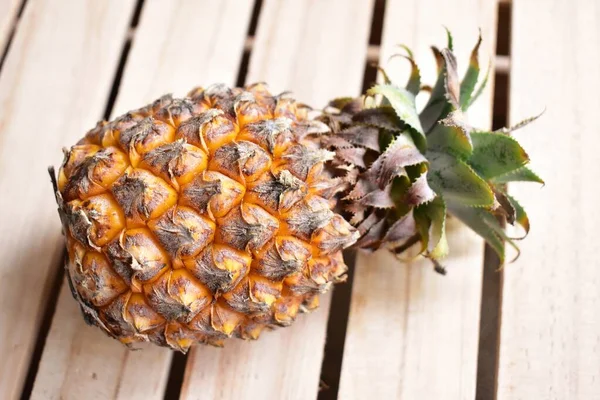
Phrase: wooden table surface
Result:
[526,330]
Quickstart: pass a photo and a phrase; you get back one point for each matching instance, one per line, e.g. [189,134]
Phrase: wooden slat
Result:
[47,98]
[317,50]
[8,14]
[550,337]
[413,333]
[178,44]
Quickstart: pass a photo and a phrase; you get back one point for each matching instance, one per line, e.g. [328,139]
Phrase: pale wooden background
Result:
[410,334]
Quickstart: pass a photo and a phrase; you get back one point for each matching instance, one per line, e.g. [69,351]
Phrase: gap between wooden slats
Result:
[177,45]
[317,50]
[413,333]
[41,92]
[550,336]
[10,11]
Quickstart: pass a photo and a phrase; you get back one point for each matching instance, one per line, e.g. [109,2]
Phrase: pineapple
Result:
[223,213]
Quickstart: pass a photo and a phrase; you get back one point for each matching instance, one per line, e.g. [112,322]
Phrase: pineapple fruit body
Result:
[198,219]
[224,213]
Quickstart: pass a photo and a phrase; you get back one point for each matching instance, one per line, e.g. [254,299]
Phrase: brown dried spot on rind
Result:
[182,231]
[177,295]
[248,227]
[276,193]
[299,159]
[282,257]
[88,172]
[319,275]
[175,162]
[214,191]
[242,161]
[95,221]
[306,216]
[324,270]
[248,110]
[219,96]
[136,256]
[141,315]
[335,236]
[115,319]
[94,279]
[176,111]
[208,131]
[201,325]
[273,135]
[286,309]
[254,294]
[147,135]
[143,196]
[224,319]
[219,267]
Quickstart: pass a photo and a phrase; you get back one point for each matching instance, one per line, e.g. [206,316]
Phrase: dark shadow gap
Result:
[11,34]
[337,324]
[114,91]
[176,376]
[48,315]
[491,295]
[331,367]
[245,62]
[54,291]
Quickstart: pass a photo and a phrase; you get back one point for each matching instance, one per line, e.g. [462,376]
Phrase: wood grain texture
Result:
[550,337]
[317,49]
[174,50]
[47,99]
[411,332]
[8,14]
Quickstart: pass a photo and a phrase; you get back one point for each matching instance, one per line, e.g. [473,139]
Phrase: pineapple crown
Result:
[403,170]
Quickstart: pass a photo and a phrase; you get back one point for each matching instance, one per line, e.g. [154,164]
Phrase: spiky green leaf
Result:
[523,174]
[450,139]
[475,218]
[469,81]
[495,154]
[403,103]
[521,216]
[457,181]
[414,81]
[430,219]
[480,89]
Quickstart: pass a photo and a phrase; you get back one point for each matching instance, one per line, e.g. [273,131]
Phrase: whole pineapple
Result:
[220,214]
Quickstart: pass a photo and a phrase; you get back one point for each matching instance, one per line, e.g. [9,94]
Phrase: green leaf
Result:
[450,139]
[469,81]
[496,154]
[414,81]
[521,216]
[450,39]
[437,106]
[457,181]
[475,218]
[522,174]
[520,124]
[403,103]
[481,87]
[430,219]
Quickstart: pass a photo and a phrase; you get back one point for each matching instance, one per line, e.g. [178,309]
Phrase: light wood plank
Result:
[8,14]
[178,45]
[48,97]
[317,50]
[550,337]
[413,333]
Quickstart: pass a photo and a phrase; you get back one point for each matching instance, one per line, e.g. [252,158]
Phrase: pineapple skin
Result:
[198,219]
